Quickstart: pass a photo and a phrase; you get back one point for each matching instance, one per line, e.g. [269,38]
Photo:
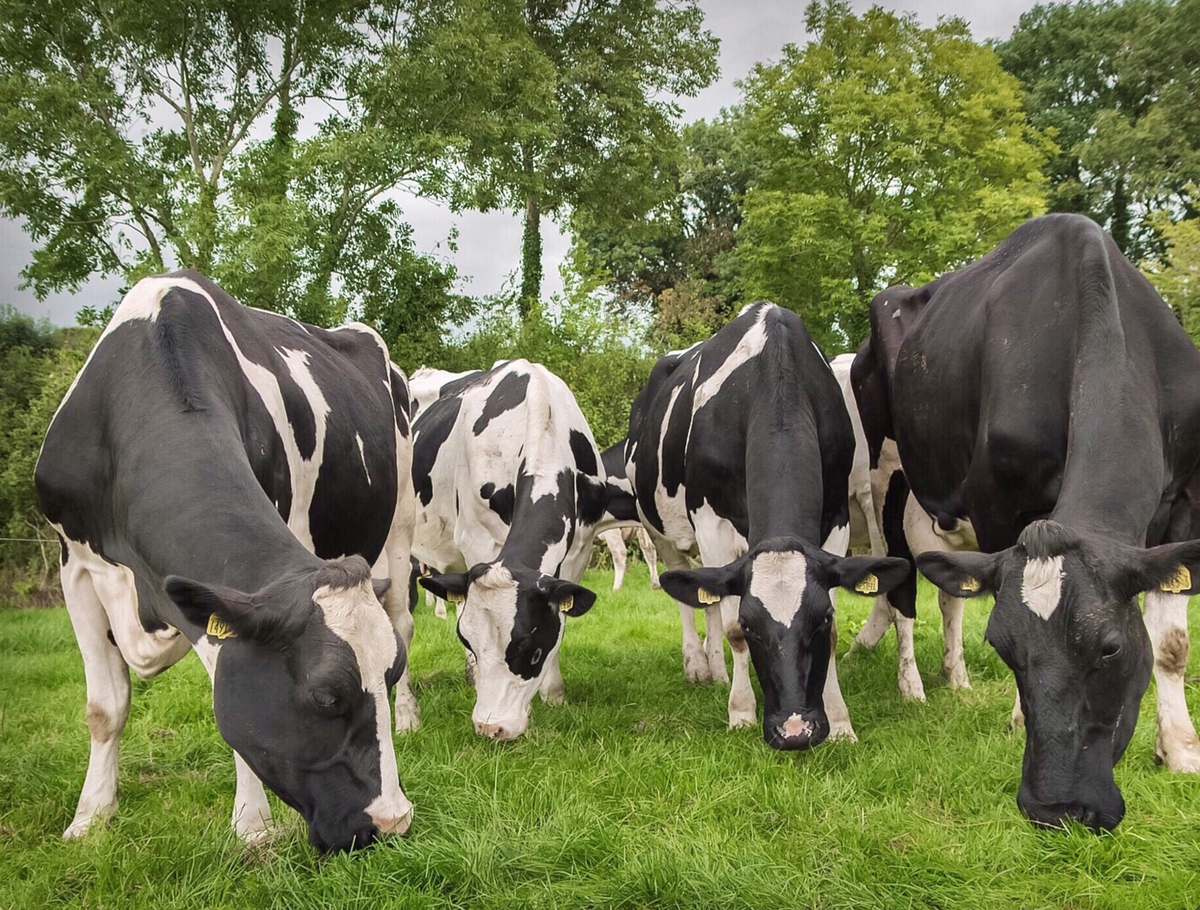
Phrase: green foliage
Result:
[580,339]
[127,142]
[634,794]
[1176,271]
[561,105]
[1117,83]
[37,364]
[885,151]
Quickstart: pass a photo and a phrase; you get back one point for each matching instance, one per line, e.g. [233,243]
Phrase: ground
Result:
[632,795]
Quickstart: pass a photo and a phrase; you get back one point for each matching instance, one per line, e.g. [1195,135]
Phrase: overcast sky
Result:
[489,244]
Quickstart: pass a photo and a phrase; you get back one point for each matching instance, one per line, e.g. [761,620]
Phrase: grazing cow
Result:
[620,521]
[1045,405]
[740,447]
[509,490]
[224,479]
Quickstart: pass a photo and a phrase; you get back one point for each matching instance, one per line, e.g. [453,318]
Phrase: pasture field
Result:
[632,795]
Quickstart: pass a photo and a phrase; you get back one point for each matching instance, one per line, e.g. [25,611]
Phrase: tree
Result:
[132,142]
[885,151]
[1175,271]
[577,116]
[1116,82]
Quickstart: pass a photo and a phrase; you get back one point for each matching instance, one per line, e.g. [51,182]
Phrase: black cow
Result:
[509,490]
[740,448]
[1045,406]
[224,479]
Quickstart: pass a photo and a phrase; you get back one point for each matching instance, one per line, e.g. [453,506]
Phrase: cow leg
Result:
[743,708]
[551,688]
[251,818]
[954,664]
[695,662]
[878,622]
[439,605]
[836,711]
[108,696]
[620,557]
[651,556]
[1017,721]
[714,644]
[395,562]
[1176,745]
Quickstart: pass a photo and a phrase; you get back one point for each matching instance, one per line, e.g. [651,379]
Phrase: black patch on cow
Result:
[403,405]
[500,501]
[508,393]
[430,432]
[63,554]
[584,453]
[591,498]
[174,336]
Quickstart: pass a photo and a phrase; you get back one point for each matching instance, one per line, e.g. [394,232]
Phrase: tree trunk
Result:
[531,243]
[1120,215]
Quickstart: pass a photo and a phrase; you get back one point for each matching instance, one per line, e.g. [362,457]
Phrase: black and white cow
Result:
[232,481]
[620,521]
[1045,406]
[509,490]
[740,448]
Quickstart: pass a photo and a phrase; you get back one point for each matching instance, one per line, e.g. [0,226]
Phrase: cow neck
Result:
[1112,476]
[784,477]
[215,525]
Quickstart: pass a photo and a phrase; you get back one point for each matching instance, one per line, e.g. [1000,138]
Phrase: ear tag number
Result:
[1179,582]
[707,597]
[868,585]
[970,584]
[566,603]
[218,628]
[455,598]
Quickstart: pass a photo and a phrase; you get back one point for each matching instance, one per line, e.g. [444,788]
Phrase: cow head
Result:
[510,619]
[786,616]
[1066,622]
[300,691]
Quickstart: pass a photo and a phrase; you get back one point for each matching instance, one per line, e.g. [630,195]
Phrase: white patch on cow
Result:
[486,620]
[364,329]
[778,580]
[362,453]
[896,314]
[838,541]
[355,616]
[426,384]
[1041,585]
[672,510]
[749,346]
[304,482]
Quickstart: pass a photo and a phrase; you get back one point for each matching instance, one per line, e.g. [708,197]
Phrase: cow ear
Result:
[569,599]
[866,574]
[1173,568]
[221,612]
[704,587]
[962,574]
[380,586]
[452,587]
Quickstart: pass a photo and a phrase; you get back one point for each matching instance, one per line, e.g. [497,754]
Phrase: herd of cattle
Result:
[231,481]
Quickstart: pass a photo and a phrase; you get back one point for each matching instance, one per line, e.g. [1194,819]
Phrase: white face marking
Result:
[778,580]
[362,453]
[1041,585]
[486,620]
[356,617]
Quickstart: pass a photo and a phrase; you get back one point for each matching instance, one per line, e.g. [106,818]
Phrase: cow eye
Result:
[1110,649]
[325,700]
[537,657]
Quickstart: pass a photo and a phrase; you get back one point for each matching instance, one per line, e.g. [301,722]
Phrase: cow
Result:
[1044,405]
[425,385]
[234,482]
[620,521]
[739,449]
[509,488]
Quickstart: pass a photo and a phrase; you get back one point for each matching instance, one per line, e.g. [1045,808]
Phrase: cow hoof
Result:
[695,668]
[554,697]
[956,677]
[911,689]
[1182,759]
[440,610]
[742,719]
[655,586]
[408,715]
[842,730]
[81,826]
[259,838]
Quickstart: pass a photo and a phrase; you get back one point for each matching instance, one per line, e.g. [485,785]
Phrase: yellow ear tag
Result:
[1179,582]
[566,603]
[970,584]
[218,628]
[869,584]
[707,597]
[455,598]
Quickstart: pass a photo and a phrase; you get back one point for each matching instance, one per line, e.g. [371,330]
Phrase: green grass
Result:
[632,795]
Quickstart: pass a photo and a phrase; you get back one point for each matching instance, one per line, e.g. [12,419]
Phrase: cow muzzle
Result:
[796,731]
[501,732]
